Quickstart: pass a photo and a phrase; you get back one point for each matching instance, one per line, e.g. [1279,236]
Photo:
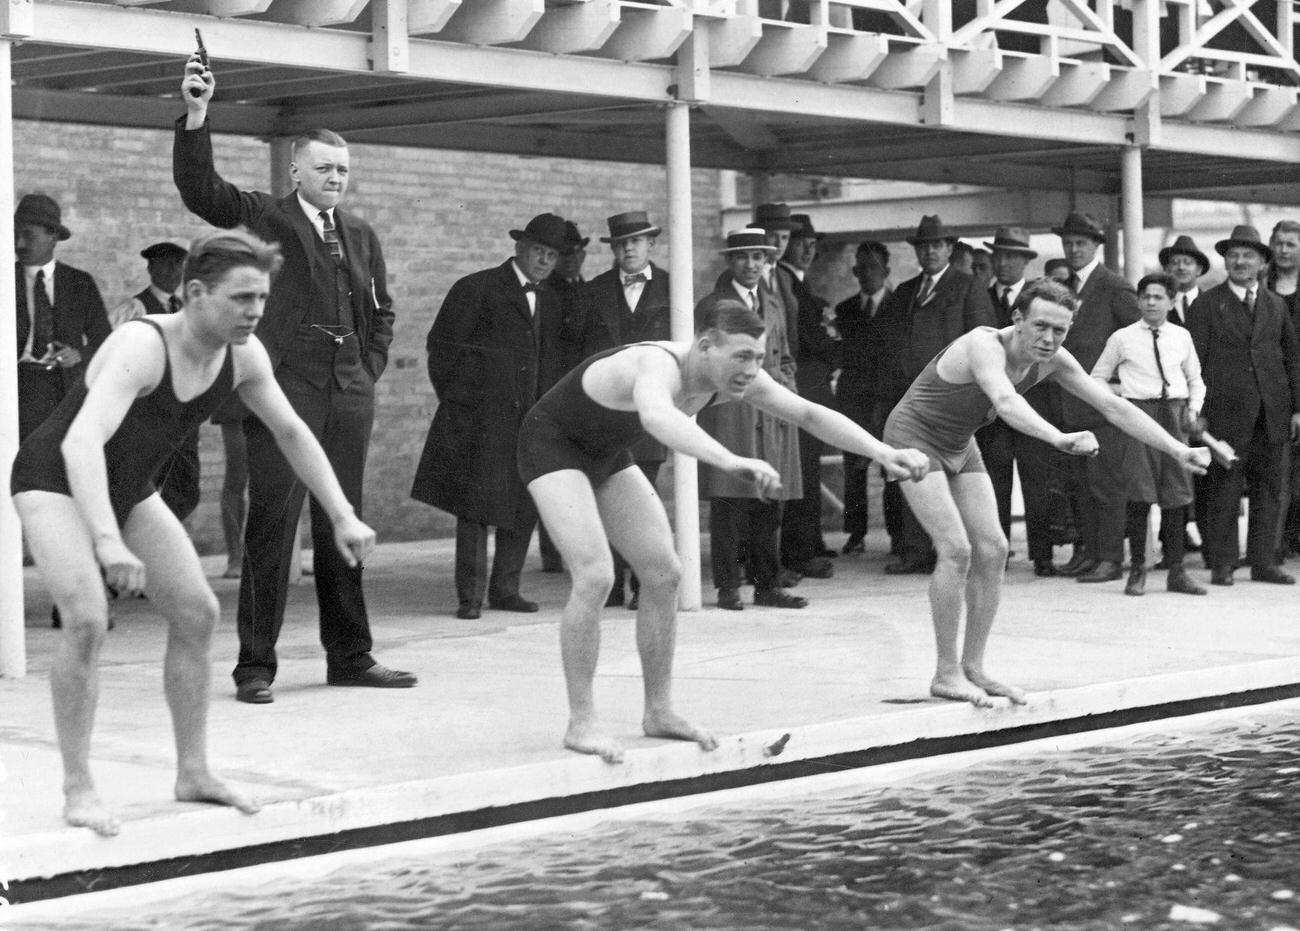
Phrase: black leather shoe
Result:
[469,611]
[778,598]
[634,602]
[827,553]
[819,567]
[1077,565]
[853,545]
[1107,570]
[254,692]
[376,677]
[1271,574]
[513,603]
[1221,575]
[1137,581]
[1044,567]
[615,599]
[729,600]
[1179,581]
[788,578]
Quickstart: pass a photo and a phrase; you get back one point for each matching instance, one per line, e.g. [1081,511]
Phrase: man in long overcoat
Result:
[494,349]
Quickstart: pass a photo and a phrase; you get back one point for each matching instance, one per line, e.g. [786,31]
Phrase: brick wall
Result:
[440,215]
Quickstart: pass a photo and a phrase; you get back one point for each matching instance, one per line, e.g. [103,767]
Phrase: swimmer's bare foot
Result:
[957,687]
[584,737]
[669,725]
[83,809]
[204,787]
[994,687]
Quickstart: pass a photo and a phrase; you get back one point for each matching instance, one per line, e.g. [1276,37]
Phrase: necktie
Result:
[1164,382]
[1006,304]
[42,317]
[1250,301]
[926,287]
[173,304]
[1073,282]
[531,286]
[638,278]
[1186,304]
[331,236]
[753,300]
[868,306]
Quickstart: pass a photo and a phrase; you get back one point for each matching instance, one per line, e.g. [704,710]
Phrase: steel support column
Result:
[686,507]
[1131,211]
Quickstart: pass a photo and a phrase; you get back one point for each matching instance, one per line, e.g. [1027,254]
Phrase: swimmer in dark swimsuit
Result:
[82,485]
[573,456]
[977,376]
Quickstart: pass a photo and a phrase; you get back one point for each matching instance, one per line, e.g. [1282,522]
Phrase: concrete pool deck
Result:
[478,741]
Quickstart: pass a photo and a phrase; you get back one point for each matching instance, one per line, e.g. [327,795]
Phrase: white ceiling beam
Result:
[576,27]
[849,57]
[646,35]
[908,69]
[731,39]
[1180,92]
[222,8]
[149,112]
[745,129]
[493,22]
[1078,84]
[973,70]
[1126,89]
[315,12]
[1268,107]
[1222,101]
[1023,78]
[785,48]
[428,16]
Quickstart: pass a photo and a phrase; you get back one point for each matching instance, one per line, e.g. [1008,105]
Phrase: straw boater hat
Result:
[804,229]
[545,229]
[771,217]
[1011,239]
[164,250]
[627,225]
[1081,224]
[41,210]
[931,229]
[747,240]
[1244,235]
[1184,245]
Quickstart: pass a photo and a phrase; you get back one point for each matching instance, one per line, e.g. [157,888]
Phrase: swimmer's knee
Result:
[664,574]
[593,578]
[956,552]
[195,615]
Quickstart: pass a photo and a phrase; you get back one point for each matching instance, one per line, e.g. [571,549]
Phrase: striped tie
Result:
[331,236]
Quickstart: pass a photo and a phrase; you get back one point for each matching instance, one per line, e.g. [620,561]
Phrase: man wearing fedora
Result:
[816,356]
[1186,264]
[58,310]
[327,327]
[923,315]
[1107,302]
[734,503]
[495,347]
[628,304]
[1283,279]
[1250,361]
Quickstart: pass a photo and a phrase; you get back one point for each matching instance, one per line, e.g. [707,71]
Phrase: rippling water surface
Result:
[1196,827]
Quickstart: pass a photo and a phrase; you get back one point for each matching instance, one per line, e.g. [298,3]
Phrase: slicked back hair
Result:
[327,136]
[1048,290]
[212,256]
[729,316]
[1165,281]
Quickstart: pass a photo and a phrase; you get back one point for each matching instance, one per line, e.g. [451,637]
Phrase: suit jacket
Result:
[1107,302]
[857,389]
[1250,363]
[816,354]
[489,360]
[306,279]
[913,333]
[569,294]
[80,320]
[745,430]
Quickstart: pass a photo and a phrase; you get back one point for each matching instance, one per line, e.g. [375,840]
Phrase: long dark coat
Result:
[489,360]
[1107,302]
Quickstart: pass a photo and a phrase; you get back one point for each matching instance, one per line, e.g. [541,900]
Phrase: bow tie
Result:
[638,278]
[529,286]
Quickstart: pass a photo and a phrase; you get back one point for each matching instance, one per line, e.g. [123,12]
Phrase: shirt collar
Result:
[30,271]
[162,295]
[1240,291]
[742,290]
[1085,273]
[645,271]
[519,273]
[797,272]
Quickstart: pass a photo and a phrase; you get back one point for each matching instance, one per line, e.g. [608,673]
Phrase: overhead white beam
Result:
[426,16]
[576,27]
[1268,107]
[315,12]
[390,29]
[221,8]
[1077,85]
[493,22]
[646,35]
[746,130]
[785,48]
[731,39]
[1023,77]
[909,69]
[849,57]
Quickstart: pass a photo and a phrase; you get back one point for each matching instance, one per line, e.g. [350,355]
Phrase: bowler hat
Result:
[627,225]
[931,229]
[747,240]
[770,217]
[1011,239]
[1081,224]
[163,250]
[545,229]
[1184,245]
[804,229]
[41,210]
[573,240]
[1244,235]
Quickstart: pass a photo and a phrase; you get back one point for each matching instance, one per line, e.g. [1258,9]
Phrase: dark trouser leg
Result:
[1173,522]
[1264,468]
[893,510]
[764,542]
[1034,461]
[551,561]
[471,561]
[916,543]
[1220,534]
[727,517]
[995,443]
[1106,490]
[1136,531]
[855,495]
[621,568]
[508,561]
[801,524]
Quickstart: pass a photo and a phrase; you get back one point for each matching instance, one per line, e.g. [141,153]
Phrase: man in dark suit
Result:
[923,315]
[494,349]
[856,322]
[1186,264]
[58,310]
[629,304]
[1250,361]
[327,327]
[816,355]
[1107,302]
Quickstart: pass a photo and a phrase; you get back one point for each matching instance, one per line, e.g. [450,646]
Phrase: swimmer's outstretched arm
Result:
[834,428]
[259,390]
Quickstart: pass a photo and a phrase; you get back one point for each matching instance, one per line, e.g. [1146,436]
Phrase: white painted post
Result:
[1131,211]
[686,506]
[13,635]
